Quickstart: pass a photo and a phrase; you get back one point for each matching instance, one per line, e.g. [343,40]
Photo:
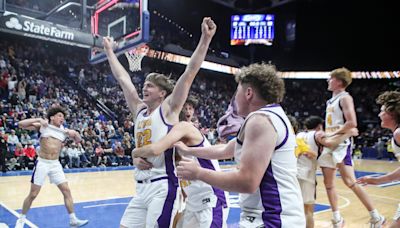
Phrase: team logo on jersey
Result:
[206,200]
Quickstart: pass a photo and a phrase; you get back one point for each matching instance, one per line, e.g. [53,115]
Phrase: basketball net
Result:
[135,56]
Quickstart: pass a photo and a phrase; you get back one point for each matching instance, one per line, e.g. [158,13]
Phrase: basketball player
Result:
[154,205]
[264,150]
[340,118]
[390,119]
[206,206]
[309,146]
[53,134]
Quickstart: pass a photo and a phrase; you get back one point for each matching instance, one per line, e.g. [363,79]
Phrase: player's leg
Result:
[349,179]
[163,204]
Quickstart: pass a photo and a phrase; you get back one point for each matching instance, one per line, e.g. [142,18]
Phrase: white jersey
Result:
[201,195]
[279,196]
[150,129]
[53,131]
[334,118]
[306,167]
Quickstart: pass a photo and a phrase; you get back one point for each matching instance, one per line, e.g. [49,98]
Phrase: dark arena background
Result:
[51,52]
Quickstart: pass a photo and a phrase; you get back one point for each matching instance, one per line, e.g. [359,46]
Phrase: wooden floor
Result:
[92,186]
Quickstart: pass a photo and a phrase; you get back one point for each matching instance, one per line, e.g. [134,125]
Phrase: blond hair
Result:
[264,78]
[161,81]
[342,74]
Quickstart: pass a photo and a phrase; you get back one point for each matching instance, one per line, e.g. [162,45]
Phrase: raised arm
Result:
[32,124]
[174,103]
[258,146]
[123,78]
[333,141]
[180,131]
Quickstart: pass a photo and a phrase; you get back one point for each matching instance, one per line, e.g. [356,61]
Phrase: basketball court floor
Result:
[101,196]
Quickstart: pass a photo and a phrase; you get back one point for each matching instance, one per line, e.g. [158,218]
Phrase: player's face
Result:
[333,83]
[188,110]
[387,119]
[57,119]
[240,99]
[151,92]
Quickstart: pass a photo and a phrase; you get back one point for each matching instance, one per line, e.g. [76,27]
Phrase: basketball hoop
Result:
[135,56]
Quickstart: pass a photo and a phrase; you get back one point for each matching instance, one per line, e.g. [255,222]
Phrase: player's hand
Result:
[44,122]
[109,43]
[208,27]
[142,164]
[73,135]
[188,169]
[368,180]
[182,148]
[353,132]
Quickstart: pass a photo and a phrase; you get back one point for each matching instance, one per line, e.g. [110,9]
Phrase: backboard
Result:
[127,21]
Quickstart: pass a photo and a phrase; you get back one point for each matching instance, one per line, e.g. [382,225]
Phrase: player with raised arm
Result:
[206,206]
[53,134]
[155,202]
[390,119]
[264,150]
[340,119]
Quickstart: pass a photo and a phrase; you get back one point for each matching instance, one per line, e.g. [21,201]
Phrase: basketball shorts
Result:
[308,191]
[155,205]
[330,158]
[44,168]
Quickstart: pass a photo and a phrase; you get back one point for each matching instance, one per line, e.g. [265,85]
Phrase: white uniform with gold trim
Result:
[334,119]
[155,204]
[307,168]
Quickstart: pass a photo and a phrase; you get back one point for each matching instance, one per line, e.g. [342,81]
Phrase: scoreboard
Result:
[252,29]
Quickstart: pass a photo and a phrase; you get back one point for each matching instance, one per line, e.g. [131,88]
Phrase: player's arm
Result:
[178,132]
[332,141]
[258,146]
[32,124]
[349,114]
[123,78]
[392,176]
[220,151]
[74,135]
[174,103]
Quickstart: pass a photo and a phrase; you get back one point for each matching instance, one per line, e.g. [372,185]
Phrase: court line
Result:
[16,214]
[105,204]
[347,203]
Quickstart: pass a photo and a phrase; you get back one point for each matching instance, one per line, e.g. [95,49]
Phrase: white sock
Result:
[72,217]
[336,216]
[22,217]
[374,214]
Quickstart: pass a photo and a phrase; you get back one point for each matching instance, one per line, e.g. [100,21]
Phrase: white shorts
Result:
[51,168]
[155,205]
[209,217]
[308,190]
[251,220]
[330,158]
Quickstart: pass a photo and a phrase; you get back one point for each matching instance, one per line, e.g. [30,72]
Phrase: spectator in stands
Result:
[12,140]
[30,153]
[120,153]
[20,155]
[3,152]
[73,154]
[379,147]
[25,138]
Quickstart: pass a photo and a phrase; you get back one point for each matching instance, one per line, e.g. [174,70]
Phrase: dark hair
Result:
[192,100]
[391,101]
[313,122]
[54,110]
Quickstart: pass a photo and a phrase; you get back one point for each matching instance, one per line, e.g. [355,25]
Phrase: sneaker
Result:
[20,223]
[338,223]
[397,214]
[378,223]
[78,223]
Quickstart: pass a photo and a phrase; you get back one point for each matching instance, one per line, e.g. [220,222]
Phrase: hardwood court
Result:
[94,186]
